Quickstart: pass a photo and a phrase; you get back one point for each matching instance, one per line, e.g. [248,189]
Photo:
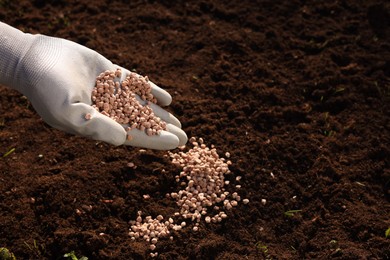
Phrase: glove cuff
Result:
[14,44]
[24,57]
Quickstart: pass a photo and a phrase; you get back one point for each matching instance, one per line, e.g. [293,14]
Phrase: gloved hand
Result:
[58,76]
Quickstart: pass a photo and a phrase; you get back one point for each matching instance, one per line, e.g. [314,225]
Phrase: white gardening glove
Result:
[58,76]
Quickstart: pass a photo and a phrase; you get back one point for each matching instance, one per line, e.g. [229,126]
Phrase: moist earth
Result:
[298,93]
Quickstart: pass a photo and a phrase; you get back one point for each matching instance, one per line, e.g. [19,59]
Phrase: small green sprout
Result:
[73,256]
[9,152]
[36,249]
[261,247]
[328,133]
[291,213]
[337,251]
[333,243]
[5,254]
[360,184]
[339,89]
[387,233]
[264,249]
[326,116]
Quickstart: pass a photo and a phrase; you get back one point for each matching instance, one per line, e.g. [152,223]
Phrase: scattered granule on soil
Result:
[118,101]
[152,229]
[203,199]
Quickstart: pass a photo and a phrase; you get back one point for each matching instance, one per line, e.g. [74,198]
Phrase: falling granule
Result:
[118,101]
[204,197]
[205,173]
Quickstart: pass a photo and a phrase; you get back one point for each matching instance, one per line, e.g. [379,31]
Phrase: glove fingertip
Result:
[163,97]
[181,135]
[163,141]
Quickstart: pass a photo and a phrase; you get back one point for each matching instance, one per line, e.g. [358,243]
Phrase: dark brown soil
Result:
[298,90]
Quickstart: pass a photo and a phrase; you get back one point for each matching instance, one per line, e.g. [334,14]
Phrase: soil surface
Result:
[297,91]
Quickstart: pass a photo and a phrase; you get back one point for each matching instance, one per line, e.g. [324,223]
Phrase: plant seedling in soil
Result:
[328,133]
[261,247]
[264,249]
[36,249]
[339,90]
[5,254]
[9,152]
[291,213]
[73,256]
[387,233]
[334,244]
